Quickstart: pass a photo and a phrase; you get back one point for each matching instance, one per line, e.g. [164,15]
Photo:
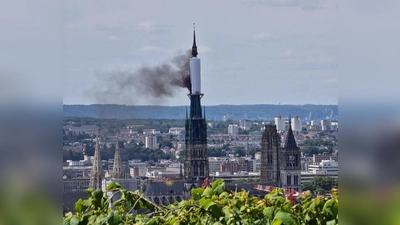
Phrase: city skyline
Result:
[269,52]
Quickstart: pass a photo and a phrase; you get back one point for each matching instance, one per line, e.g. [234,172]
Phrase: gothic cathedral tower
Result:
[270,145]
[290,166]
[196,157]
[97,170]
[117,171]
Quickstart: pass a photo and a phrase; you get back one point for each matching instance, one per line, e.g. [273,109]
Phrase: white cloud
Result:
[203,49]
[151,49]
[262,36]
[113,38]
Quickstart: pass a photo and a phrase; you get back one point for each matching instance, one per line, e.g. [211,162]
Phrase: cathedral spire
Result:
[97,169]
[196,159]
[117,171]
[194,47]
[290,142]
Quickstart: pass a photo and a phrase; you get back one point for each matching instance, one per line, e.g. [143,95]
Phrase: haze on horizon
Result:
[252,52]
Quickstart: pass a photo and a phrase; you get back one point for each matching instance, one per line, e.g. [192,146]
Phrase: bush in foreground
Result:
[209,205]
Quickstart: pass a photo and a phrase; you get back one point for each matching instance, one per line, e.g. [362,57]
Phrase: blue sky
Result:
[252,52]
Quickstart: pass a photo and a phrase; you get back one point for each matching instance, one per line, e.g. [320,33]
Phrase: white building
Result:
[176,130]
[150,131]
[324,168]
[334,125]
[137,169]
[326,125]
[280,123]
[233,129]
[245,124]
[296,123]
[151,142]
[214,164]
[257,155]
[252,165]
[314,122]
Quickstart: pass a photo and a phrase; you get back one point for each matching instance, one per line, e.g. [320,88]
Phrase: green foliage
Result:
[166,143]
[317,146]
[72,155]
[211,205]
[322,185]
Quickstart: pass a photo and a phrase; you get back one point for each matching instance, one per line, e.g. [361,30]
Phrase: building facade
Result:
[270,145]
[233,129]
[280,123]
[280,165]
[245,124]
[326,125]
[290,163]
[151,142]
[296,123]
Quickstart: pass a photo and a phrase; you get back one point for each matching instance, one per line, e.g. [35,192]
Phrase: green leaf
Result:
[286,218]
[269,212]
[97,197]
[331,222]
[277,222]
[206,203]
[152,221]
[92,219]
[74,221]
[113,218]
[88,202]
[112,186]
[216,183]
[331,208]
[118,202]
[67,220]
[223,195]
[97,194]
[208,192]
[218,189]
[228,213]
[196,193]
[79,207]
[216,210]
[89,191]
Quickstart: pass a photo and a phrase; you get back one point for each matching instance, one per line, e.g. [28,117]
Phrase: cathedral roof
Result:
[164,188]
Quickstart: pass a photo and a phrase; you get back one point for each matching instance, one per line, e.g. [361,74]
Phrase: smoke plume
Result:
[150,82]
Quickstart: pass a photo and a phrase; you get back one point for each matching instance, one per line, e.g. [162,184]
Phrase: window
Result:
[202,169]
[195,170]
[269,158]
[289,179]
[296,179]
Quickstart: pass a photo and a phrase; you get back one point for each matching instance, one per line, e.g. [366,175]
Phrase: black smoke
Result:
[150,82]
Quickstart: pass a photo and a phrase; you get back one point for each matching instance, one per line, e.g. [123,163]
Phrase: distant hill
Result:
[234,112]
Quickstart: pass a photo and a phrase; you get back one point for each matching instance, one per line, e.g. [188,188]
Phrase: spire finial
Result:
[194,47]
